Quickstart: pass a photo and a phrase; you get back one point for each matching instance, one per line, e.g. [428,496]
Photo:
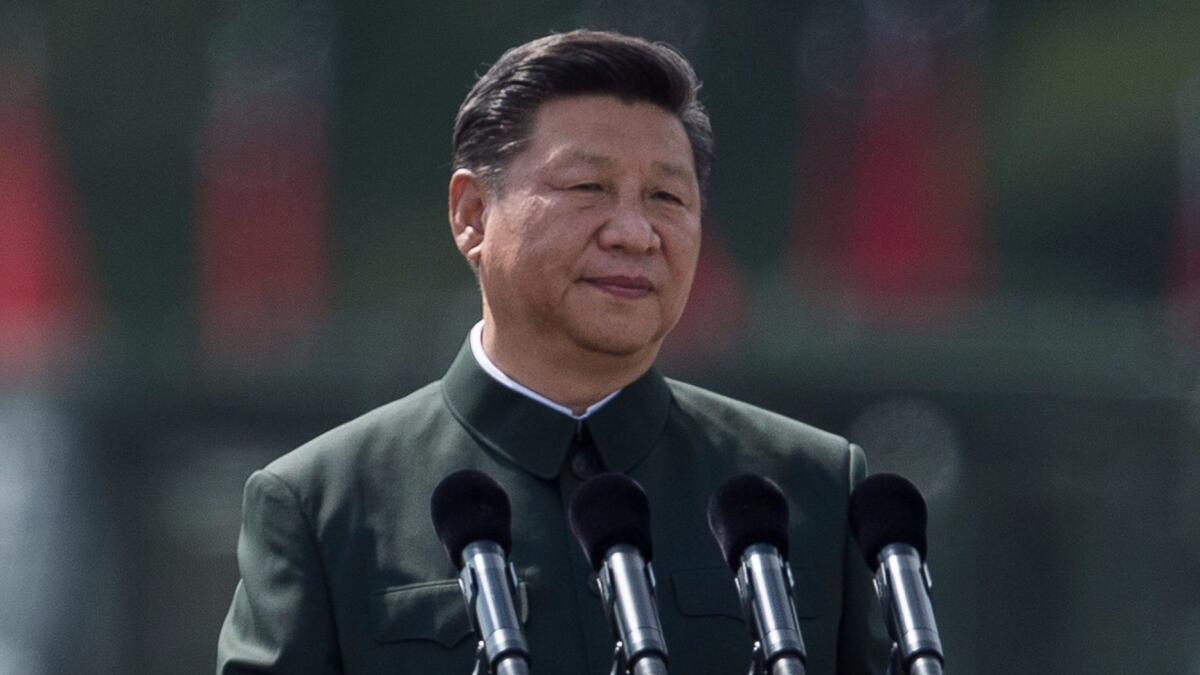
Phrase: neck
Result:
[565,373]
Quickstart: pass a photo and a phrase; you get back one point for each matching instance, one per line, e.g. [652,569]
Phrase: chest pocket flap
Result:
[711,591]
[431,611]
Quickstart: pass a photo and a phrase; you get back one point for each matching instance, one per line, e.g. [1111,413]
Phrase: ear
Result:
[468,204]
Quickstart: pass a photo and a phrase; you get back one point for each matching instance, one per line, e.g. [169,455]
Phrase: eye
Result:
[587,187]
[671,197]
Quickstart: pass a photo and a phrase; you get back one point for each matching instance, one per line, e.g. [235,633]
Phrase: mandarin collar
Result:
[537,438]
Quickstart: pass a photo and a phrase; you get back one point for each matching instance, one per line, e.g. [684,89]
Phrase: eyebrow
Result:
[586,157]
[603,161]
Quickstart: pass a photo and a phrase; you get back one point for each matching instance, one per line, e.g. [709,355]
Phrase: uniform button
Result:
[584,465]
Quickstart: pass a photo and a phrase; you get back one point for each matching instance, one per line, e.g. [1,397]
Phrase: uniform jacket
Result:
[342,571]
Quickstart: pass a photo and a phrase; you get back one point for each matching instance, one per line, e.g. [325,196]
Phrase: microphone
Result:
[887,518]
[610,516]
[748,516]
[473,520]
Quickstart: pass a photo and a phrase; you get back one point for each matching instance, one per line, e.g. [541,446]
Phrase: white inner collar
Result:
[490,368]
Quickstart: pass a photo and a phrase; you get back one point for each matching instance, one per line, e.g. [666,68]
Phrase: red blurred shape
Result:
[715,315]
[262,208]
[914,228]
[893,203]
[1183,291]
[1183,288]
[42,296]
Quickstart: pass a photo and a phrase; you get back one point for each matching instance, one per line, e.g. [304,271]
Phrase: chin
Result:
[618,340]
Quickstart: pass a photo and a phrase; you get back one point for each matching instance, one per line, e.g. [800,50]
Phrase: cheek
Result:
[682,246]
[512,235]
[543,250]
[556,238]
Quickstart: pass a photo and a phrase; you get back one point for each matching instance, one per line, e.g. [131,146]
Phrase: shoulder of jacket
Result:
[759,427]
[337,448]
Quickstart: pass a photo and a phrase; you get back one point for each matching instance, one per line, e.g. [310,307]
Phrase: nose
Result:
[629,229]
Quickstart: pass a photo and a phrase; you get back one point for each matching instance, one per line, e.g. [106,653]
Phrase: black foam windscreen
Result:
[887,509]
[607,510]
[468,506]
[746,510]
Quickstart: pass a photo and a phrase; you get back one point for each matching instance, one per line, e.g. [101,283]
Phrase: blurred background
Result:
[965,233]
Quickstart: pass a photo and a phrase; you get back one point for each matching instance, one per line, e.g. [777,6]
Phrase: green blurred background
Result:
[964,233]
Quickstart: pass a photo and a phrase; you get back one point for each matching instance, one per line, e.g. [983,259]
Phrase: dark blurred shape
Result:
[125,82]
[920,20]
[756,128]
[829,54]
[1082,144]
[680,23]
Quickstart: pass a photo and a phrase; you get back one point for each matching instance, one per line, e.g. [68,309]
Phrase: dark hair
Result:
[495,120]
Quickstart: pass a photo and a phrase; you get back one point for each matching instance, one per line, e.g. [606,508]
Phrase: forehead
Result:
[604,130]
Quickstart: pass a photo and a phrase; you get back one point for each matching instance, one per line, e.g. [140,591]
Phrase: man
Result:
[580,161]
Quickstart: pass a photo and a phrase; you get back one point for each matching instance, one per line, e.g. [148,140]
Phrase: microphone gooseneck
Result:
[610,516]
[888,519]
[473,519]
[748,516]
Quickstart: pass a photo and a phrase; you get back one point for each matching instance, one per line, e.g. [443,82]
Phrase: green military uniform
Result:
[342,572]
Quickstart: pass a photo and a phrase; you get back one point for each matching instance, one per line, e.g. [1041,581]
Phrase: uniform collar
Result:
[537,437]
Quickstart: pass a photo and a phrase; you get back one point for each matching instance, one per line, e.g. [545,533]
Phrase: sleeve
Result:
[281,619]
[863,645]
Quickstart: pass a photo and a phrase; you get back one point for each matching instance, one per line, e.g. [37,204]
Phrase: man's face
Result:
[592,239]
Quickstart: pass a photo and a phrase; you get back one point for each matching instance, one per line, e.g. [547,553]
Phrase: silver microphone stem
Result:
[488,583]
[903,585]
[627,589]
[765,584]
[512,666]
[788,665]
[650,665]
[925,665]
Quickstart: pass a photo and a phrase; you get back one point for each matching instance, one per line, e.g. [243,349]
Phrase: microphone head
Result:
[887,509]
[607,510]
[746,510]
[468,506]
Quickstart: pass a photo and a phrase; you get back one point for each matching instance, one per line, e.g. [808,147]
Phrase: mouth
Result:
[625,287]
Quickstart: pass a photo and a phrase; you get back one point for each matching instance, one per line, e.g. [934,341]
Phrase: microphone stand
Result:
[922,665]
[758,664]
[469,582]
[758,657]
[923,645]
[606,580]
